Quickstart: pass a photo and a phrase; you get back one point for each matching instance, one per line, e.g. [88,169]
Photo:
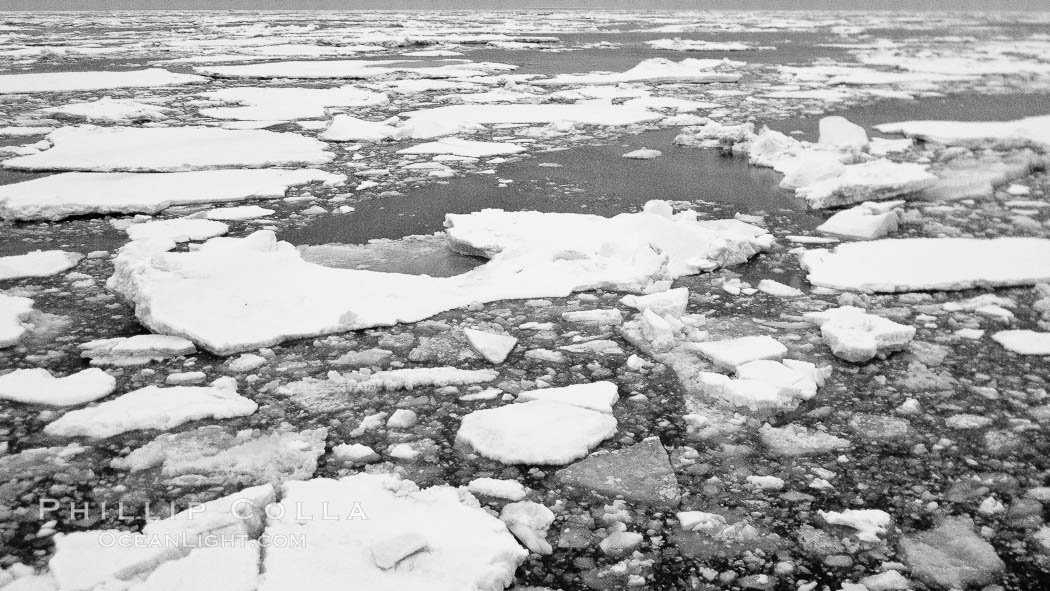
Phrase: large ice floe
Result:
[917,264]
[169,149]
[111,110]
[286,104]
[72,81]
[657,69]
[39,263]
[238,294]
[1031,132]
[79,193]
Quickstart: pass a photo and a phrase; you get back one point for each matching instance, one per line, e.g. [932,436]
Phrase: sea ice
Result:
[111,110]
[866,221]
[868,181]
[78,193]
[39,263]
[73,81]
[1029,132]
[14,310]
[38,386]
[169,149]
[918,264]
[1023,342]
[438,121]
[672,302]
[766,385]
[657,69]
[537,432]
[797,440]
[511,490]
[493,347]
[346,128]
[869,523]
[461,147]
[529,523]
[733,352]
[599,396]
[136,350]
[86,560]
[842,133]
[177,230]
[643,154]
[855,335]
[354,69]
[153,408]
[287,104]
[243,212]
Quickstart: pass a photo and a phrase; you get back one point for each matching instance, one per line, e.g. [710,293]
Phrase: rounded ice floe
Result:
[512,490]
[287,104]
[39,263]
[385,533]
[71,81]
[599,396]
[177,230]
[855,335]
[38,386]
[1024,342]
[778,289]
[643,154]
[13,311]
[152,408]
[170,149]
[537,432]
[918,264]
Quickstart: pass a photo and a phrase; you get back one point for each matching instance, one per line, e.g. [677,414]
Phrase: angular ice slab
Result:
[657,69]
[71,81]
[237,294]
[80,193]
[111,110]
[377,531]
[287,104]
[918,264]
[170,149]
[1028,132]
[855,335]
[868,181]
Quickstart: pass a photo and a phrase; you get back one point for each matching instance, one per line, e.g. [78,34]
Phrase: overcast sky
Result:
[512,4]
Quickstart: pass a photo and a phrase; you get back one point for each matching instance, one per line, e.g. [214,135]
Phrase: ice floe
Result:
[857,336]
[1028,132]
[170,149]
[599,396]
[347,128]
[866,221]
[177,230]
[765,384]
[1024,342]
[462,147]
[153,407]
[734,352]
[72,81]
[643,154]
[657,69]
[136,350]
[493,347]
[39,263]
[512,490]
[354,69]
[111,110]
[38,386]
[14,311]
[438,121]
[918,264]
[287,104]
[536,432]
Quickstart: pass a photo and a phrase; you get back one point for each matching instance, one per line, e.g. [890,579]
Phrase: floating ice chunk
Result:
[869,523]
[1023,342]
[778,289]
[231,567]
[511,490]
[247,362]
[85,560]
[170,149]
[766,384]
[240,514]
[917,264]
[643,154]
[428,123]
[799,378]
[39,263]
[493,347]
[112,110]
[236,294]
[796,440]
[177,230]
[611,317]
[136,350]
[599,396]
[152,408]
[529,523]
[537,432]
[396,379]
[869,181]
[461,147]
[771,147]
[656,69]
[672,302]
[866,221]
[678,44]
[855,335]
[733,352]
[242,212]
[38,386]
[356,453]
[287,104]
[842,133]
[72,81]
[345,128]
[466,547]
[809,168]
[77,193]
[1029,132]
[13,312]
[354,69]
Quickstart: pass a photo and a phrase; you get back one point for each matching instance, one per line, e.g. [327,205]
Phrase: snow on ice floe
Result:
[286,104]
[874,180]
[765,384]
[137,350]
[1028,132]
[731,353]
[918,264]
[73,81]
[111,110]
[243,293]
[177,230]
[866,221]
[78,193]
[1024,342]
[354,69]
[599,396]
[346,128]
[657,69]
[438,121]
[536,432]
[153,407]
[170,149]
[14,311]
[242,212]
[39,263]
[38,386]
[492,346]
[461,147]
[679,44]
[436,538]
[857,336]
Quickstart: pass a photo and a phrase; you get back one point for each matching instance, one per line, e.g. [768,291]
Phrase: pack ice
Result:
[72,81]
[169,149]
[656,69]
[235,294]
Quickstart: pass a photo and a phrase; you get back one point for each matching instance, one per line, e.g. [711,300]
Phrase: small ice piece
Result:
[778,289]
[866,221]
[643,154]
[247,362]
[657,69]
[767,385]
[611,317]
[1024,342]
[38,386]
[869,523]
[511,490]
[389,551]
[75,81]
[599,396]
[920,264]
[733,352]
[840,132]
[493,347]
[152,408]
[345,128]
[461,147]
[1030,131]
[672,302]
[855,335]
[355,453]
[177,230]
[39,263]
[537,432]
[14,310]
[797,440]
[529,523]
[619,543]
[136,350]
[402,418]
